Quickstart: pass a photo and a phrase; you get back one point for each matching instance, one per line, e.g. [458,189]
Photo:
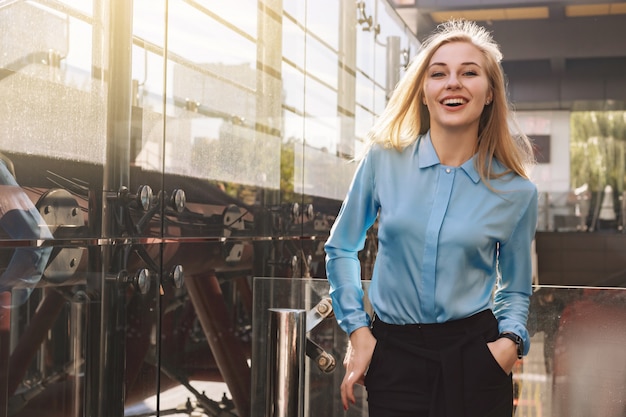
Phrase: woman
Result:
[456,212]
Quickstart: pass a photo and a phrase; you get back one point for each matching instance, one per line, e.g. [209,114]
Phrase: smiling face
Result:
[456,87]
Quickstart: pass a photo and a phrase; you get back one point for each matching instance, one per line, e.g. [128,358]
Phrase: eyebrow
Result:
[445,65]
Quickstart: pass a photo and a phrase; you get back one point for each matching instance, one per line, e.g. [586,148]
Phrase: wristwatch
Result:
[518,341]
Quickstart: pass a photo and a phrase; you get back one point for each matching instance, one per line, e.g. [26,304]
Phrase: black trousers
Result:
[438,370]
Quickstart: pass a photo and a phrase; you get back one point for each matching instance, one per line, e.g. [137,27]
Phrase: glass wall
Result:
[156,156]
[170,167]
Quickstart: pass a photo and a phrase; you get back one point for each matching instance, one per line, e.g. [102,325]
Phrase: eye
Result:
[470,73]
[437,74]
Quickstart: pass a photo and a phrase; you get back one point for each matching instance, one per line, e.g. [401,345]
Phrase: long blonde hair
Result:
[406,117]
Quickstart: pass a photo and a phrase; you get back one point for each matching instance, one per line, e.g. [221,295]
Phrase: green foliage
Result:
[598,150]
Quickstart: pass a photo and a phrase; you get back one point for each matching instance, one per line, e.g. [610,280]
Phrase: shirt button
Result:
[448,170]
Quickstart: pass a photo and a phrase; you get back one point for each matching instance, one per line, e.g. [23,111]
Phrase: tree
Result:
[598,150]
[597,157]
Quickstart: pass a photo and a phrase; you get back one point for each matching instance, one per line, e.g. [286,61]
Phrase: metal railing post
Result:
[285,359]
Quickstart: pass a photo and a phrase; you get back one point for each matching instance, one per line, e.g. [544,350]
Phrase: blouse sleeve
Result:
[512,298]
[347,237]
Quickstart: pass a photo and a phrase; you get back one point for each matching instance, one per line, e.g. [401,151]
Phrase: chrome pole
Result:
[78,322]
[286,353]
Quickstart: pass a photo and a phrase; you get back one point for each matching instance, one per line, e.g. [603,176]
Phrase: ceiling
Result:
[558,55]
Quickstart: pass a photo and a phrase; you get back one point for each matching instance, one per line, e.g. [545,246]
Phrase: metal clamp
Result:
[324,360]
[140,281]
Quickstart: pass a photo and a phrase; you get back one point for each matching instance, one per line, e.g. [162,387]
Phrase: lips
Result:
[453,102]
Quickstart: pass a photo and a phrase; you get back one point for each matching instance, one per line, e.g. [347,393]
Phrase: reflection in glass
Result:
[232,13]
[293,43]
[324,175]
[323,20]
[321,63]
[20,220]
[577,367]
[191,31]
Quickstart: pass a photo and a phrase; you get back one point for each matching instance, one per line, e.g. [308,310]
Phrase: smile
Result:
[453,102]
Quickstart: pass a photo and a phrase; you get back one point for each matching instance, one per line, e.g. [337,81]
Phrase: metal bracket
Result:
[324,360]
[317,314]
[147,205]
[140,281]
[65,219]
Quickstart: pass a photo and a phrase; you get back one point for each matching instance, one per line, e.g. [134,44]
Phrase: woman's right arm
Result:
[343,268]
[347,237]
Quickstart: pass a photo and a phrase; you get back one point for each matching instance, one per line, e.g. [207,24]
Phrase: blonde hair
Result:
[406,117]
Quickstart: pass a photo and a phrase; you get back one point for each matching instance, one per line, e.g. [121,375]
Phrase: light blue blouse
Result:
[443,235]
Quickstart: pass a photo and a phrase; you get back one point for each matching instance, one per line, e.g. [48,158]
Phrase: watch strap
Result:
[517,340]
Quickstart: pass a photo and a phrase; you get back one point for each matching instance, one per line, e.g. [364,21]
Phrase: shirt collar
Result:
[427,157]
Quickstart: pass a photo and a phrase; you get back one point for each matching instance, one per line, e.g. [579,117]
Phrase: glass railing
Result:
[321,388]
[575,367]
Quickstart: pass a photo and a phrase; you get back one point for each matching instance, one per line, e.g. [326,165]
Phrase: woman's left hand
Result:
[504,352]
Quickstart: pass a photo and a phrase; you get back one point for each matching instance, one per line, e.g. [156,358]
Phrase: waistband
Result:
[449,382]
[478,322]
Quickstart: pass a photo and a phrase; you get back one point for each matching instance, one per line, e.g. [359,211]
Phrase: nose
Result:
[453,82]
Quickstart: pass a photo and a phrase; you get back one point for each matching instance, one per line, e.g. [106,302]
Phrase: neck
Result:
[454,147]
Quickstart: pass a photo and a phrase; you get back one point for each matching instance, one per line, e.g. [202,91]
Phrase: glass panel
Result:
[581,210]
[380,100]
[190,28]
[364,91]
[365,52]
[52,108]
[321,64]
[205,334]
[388,25]
[294,90]
[325,175]
[575,366]
[232,14]
[323,21]
[364,120]
[43,342]
[293,42]
[149,25]
[85,6]
[222,143]
[138,320]
[321,388]
[79,327]
[51,336]
[295,9]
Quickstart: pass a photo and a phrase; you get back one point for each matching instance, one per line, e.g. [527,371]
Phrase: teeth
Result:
[454,101]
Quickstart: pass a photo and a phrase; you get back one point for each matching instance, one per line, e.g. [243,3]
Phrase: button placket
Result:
[443,192]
